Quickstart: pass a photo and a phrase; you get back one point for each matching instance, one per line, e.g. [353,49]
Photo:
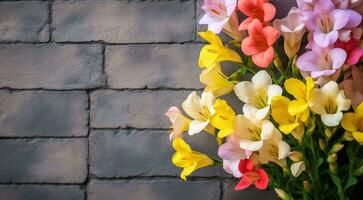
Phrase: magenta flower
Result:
[232,153]
[321,61]
[325,21]
[217,13]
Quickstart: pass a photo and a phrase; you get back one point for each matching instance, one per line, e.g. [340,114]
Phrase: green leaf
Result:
[319,162]
[338,183]
[350,182]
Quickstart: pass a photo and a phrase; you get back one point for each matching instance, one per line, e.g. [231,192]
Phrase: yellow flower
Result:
[201,110]
[288,123]
[353,122]
[329,102]
[190,160]
[301,92]
[215,81]
[224,118]
[215,51]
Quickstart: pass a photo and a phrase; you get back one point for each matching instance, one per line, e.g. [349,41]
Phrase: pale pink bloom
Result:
[217,14]
[179,122]
[353,86]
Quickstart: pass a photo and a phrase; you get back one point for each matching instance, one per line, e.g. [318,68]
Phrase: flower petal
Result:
[332,120]
[197,126]
[269,11]
[265,58]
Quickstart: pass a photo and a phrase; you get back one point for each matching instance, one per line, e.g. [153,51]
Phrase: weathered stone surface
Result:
[51,66]
[251,193]
[124,21]
[24,21]
[43,160]
[43,113]
[139,109]
[41,192]
[144,153]
[154,190]
[153,66]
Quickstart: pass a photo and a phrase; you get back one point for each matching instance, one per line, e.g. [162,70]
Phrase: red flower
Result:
[251,175]
[259,43]
[256,9]
[354,52]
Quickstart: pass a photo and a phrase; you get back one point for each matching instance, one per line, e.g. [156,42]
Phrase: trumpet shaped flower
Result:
[329,102]
[259,43]
[200,109]
[353,86]
[180,123]
[217,14]
[223,119]
[256,9]
[190,160]
[301,92]
[288,123]
[354,52]
[353,122]
[257,94]
[215,51]
[251,175]
[215,81]
[274,150]
[252,132]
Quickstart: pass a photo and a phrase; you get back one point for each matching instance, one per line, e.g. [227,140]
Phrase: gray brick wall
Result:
[83,88]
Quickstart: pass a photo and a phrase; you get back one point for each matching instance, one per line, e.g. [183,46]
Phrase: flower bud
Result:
[348,136]
[359,171]
[332,158]
[281,194]
[322,144]
[295,156]
[333,167]
[328,133]
[307,186]
[336,148]
[297,168]
[278,64]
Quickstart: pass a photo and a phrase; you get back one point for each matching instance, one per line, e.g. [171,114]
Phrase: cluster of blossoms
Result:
[302,109]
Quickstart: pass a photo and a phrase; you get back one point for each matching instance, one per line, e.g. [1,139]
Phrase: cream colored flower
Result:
[297,168]
[257,95]
[329,102]
[200,109]
[179,122]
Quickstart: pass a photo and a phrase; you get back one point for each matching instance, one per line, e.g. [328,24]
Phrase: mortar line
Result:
[50,20]
[100,88]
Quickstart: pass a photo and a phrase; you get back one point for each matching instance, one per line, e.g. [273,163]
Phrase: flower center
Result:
[325,24]
[255,134]
[260,101]
[331,106]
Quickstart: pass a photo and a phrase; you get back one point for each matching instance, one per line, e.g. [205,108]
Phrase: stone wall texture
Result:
[83,88]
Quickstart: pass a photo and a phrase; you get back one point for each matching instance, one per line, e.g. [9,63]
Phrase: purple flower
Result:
[321,61]
[325,22]
[217,13]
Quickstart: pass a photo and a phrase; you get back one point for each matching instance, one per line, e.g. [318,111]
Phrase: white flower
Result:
[297,168]
[257,95]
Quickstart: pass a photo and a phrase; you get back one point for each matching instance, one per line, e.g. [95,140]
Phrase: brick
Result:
[43,160]
[41,192]
[124,21]
[153,66]
[154,190]
[24,21]
[51,66]
[251,193]
[43,113]
[139,109]
[148,152]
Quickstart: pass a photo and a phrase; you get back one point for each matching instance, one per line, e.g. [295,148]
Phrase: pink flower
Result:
[306,5]
[352,49]
[321,61]
[256,9]
[353,86]
[180,123]
[251,175]
[326,22]
[217,14]
[232,153]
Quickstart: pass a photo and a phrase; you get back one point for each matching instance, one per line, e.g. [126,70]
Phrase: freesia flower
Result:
[257,94]
[306,5]
[190,160]
[200,109]
[232,153]
[301,92]
[180,123]
[329,102]
[274,150]
[288,123]
[322,61]
[326,21]
[353,122]
[223,119]
[343,4]
[215,51]
[354,52]
[292,28]
[354,87]
[252,132]
[232,28]
[251,175]
[259,43]
[215,81]
[297,168]
[256,9]
[217,13]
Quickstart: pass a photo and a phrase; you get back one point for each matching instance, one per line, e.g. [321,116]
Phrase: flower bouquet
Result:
[300,130]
